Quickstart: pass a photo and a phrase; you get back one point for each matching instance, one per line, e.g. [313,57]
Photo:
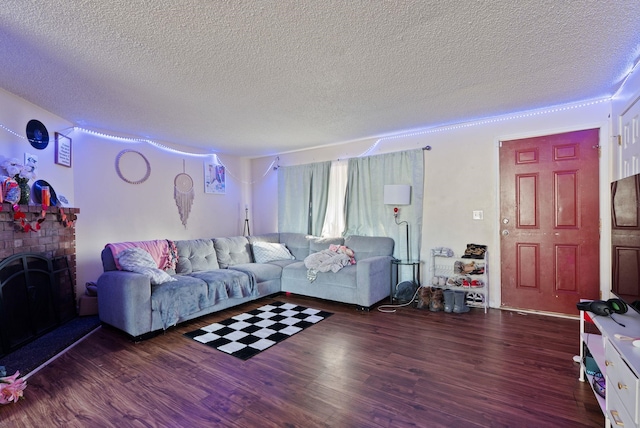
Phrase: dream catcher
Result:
[184,194]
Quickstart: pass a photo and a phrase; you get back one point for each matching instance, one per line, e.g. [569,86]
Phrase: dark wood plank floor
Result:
[413,368]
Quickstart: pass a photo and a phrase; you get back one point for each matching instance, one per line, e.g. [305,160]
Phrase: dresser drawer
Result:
[616,412]
[621,384]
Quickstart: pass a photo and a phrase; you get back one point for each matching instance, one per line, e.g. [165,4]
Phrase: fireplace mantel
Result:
[52,240]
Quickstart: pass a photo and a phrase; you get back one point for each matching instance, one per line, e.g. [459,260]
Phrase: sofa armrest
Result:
[373,279]
[124,301]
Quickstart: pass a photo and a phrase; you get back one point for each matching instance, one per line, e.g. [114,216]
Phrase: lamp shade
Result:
[397,194]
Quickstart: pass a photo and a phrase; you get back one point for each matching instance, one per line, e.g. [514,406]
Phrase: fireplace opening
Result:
[37,294]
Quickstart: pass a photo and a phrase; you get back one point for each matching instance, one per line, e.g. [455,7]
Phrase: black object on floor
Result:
[34,354]
[250,333]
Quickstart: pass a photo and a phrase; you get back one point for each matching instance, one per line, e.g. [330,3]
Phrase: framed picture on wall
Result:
[63,150]
[214,178]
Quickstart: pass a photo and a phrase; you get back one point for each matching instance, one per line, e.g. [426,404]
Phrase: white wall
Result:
[461,175]
[112,210]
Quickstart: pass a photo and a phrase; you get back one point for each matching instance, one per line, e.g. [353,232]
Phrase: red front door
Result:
[550,221]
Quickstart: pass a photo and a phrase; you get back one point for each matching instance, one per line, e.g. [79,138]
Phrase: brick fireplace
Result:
[37,281]
[52,240]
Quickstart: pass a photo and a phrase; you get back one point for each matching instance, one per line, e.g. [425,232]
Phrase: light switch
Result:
[478,215]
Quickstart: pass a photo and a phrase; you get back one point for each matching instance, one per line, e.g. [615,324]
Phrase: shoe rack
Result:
[451,271]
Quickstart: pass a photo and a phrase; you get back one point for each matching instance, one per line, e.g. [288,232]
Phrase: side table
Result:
[415,268]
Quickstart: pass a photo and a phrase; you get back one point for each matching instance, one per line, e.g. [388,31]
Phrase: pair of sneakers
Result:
[475,251]
[474,298]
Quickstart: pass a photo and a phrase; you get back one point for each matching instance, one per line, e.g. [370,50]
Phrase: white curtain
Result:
[366,213]
[302,197]
[312,199]
[334,221]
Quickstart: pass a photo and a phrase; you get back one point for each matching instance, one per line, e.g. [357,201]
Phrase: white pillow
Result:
[264,252]
[138,260]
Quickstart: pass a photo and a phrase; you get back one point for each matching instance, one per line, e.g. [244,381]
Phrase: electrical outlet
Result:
[478,215]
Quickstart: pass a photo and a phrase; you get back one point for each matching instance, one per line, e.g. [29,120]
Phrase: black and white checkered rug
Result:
[252,332]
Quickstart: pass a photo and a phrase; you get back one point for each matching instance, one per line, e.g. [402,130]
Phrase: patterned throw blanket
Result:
[332,259]
[163,251]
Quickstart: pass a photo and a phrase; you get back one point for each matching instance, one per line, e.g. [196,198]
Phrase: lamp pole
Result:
[395,216]
[407,228]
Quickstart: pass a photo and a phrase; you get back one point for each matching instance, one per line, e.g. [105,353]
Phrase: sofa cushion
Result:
[297,274]
[264,252]
[369,246]
[261,271]
[267,237]
[297,243]
[232,251]
[195,255]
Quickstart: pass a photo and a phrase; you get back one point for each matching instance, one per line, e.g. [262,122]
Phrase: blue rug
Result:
[36,353]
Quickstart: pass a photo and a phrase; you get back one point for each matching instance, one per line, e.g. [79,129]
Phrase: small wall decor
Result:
[63,150]
[214,178]
[31,159]
[183,194]
[131,156]
[16,189]
[37,134]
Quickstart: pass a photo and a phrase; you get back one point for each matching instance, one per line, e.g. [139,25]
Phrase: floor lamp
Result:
[398,194]
[246,231]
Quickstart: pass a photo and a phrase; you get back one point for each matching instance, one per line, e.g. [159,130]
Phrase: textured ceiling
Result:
[258,77]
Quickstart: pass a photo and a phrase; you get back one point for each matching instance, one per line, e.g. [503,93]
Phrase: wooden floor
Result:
[412,368]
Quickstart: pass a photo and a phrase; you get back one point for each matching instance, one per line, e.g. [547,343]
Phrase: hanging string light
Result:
[12,132]
[215,157]
[494,119]
[140,140]
[267,171]
[275,163]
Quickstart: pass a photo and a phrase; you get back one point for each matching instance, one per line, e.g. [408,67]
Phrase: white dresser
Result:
[619,362]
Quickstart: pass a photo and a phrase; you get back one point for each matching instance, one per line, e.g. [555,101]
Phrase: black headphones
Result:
[600,307]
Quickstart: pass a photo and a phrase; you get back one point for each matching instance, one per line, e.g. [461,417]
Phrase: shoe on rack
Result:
[470,299]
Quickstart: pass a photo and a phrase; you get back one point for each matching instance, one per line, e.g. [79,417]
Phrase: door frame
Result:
[604,187]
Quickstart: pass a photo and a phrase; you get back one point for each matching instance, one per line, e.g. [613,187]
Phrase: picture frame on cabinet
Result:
[63,150]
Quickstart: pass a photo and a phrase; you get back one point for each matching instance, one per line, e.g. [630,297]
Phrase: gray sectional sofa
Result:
[218,273]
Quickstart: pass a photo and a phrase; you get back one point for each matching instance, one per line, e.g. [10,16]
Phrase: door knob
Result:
[505,232]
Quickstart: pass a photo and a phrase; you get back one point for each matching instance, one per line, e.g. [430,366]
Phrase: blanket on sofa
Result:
[163,251]
[173,300]
[332,259]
